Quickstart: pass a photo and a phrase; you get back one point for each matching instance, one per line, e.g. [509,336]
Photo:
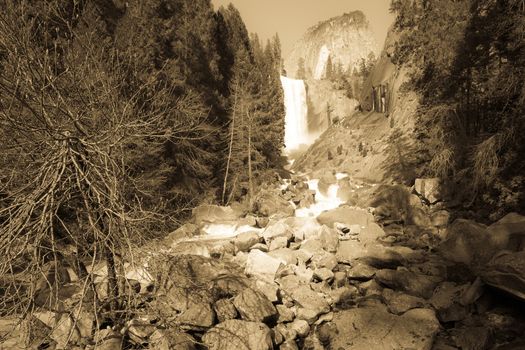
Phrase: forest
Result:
[117,118]
[467,60]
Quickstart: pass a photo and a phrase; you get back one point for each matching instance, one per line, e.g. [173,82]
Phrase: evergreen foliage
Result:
[468,60]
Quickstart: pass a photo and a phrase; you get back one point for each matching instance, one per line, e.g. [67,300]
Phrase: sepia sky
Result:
[291,18]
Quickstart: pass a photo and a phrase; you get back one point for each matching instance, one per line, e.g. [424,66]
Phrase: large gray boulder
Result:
[268,203]
[254,306]
[262,265]
[410,282]
[196,317]
[375,328]
[246,240]
[238,335]
[472,243]
[276,230]
[345,215]
[511,226]
[308,299]
[506,271]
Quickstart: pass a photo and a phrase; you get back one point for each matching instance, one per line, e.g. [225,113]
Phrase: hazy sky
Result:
[291,18]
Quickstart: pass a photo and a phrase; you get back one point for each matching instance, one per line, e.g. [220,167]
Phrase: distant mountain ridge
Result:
[342,40]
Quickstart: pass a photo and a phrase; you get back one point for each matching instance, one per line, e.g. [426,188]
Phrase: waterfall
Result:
[296,121]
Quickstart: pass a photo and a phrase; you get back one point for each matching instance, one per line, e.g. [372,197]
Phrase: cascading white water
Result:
[296,121]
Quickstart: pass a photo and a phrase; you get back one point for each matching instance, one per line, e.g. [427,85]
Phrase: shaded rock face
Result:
[507,272]
[345,39]
[471,243]
[240,335]
[375,328]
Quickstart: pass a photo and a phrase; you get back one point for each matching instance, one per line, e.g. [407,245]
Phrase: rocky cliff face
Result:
[342,40]
[377,147]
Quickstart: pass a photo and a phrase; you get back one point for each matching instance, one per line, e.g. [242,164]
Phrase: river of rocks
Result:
[333,263]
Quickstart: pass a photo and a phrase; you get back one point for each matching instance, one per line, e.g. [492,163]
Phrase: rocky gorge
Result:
[364,266]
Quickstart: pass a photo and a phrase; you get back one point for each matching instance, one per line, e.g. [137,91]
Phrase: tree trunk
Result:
[250,178]
[230,150]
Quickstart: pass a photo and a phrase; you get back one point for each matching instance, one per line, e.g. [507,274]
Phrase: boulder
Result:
[270,290]
[196,317]
[254,306]
[185,280]
[419,217]
[208,213]
[275,230]
[301,327]
[361,271]
[472,292]
[262,265]
[285,332]
[429,189]
[278,243]
[312,342]
[286,255]
[225,310]
[289,345]
[290,283]
[229,284]
[375,328]
[286,314]
[312,246]
[381,256]
[238,335]
[303,273]
[260,246]
[342,295]
[471,243]
[329,239]
[306,298]
[308,315]
[410,282]
[346,215]
[398,303]
[245,241]
[445,300]
[170,340]
[349,251]
[506,271]
[323,260]
[474,338]
[513,227]
[371,288]
[268,203]
[324,274]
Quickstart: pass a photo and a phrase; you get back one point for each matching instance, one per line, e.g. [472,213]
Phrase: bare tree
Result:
[68,116]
